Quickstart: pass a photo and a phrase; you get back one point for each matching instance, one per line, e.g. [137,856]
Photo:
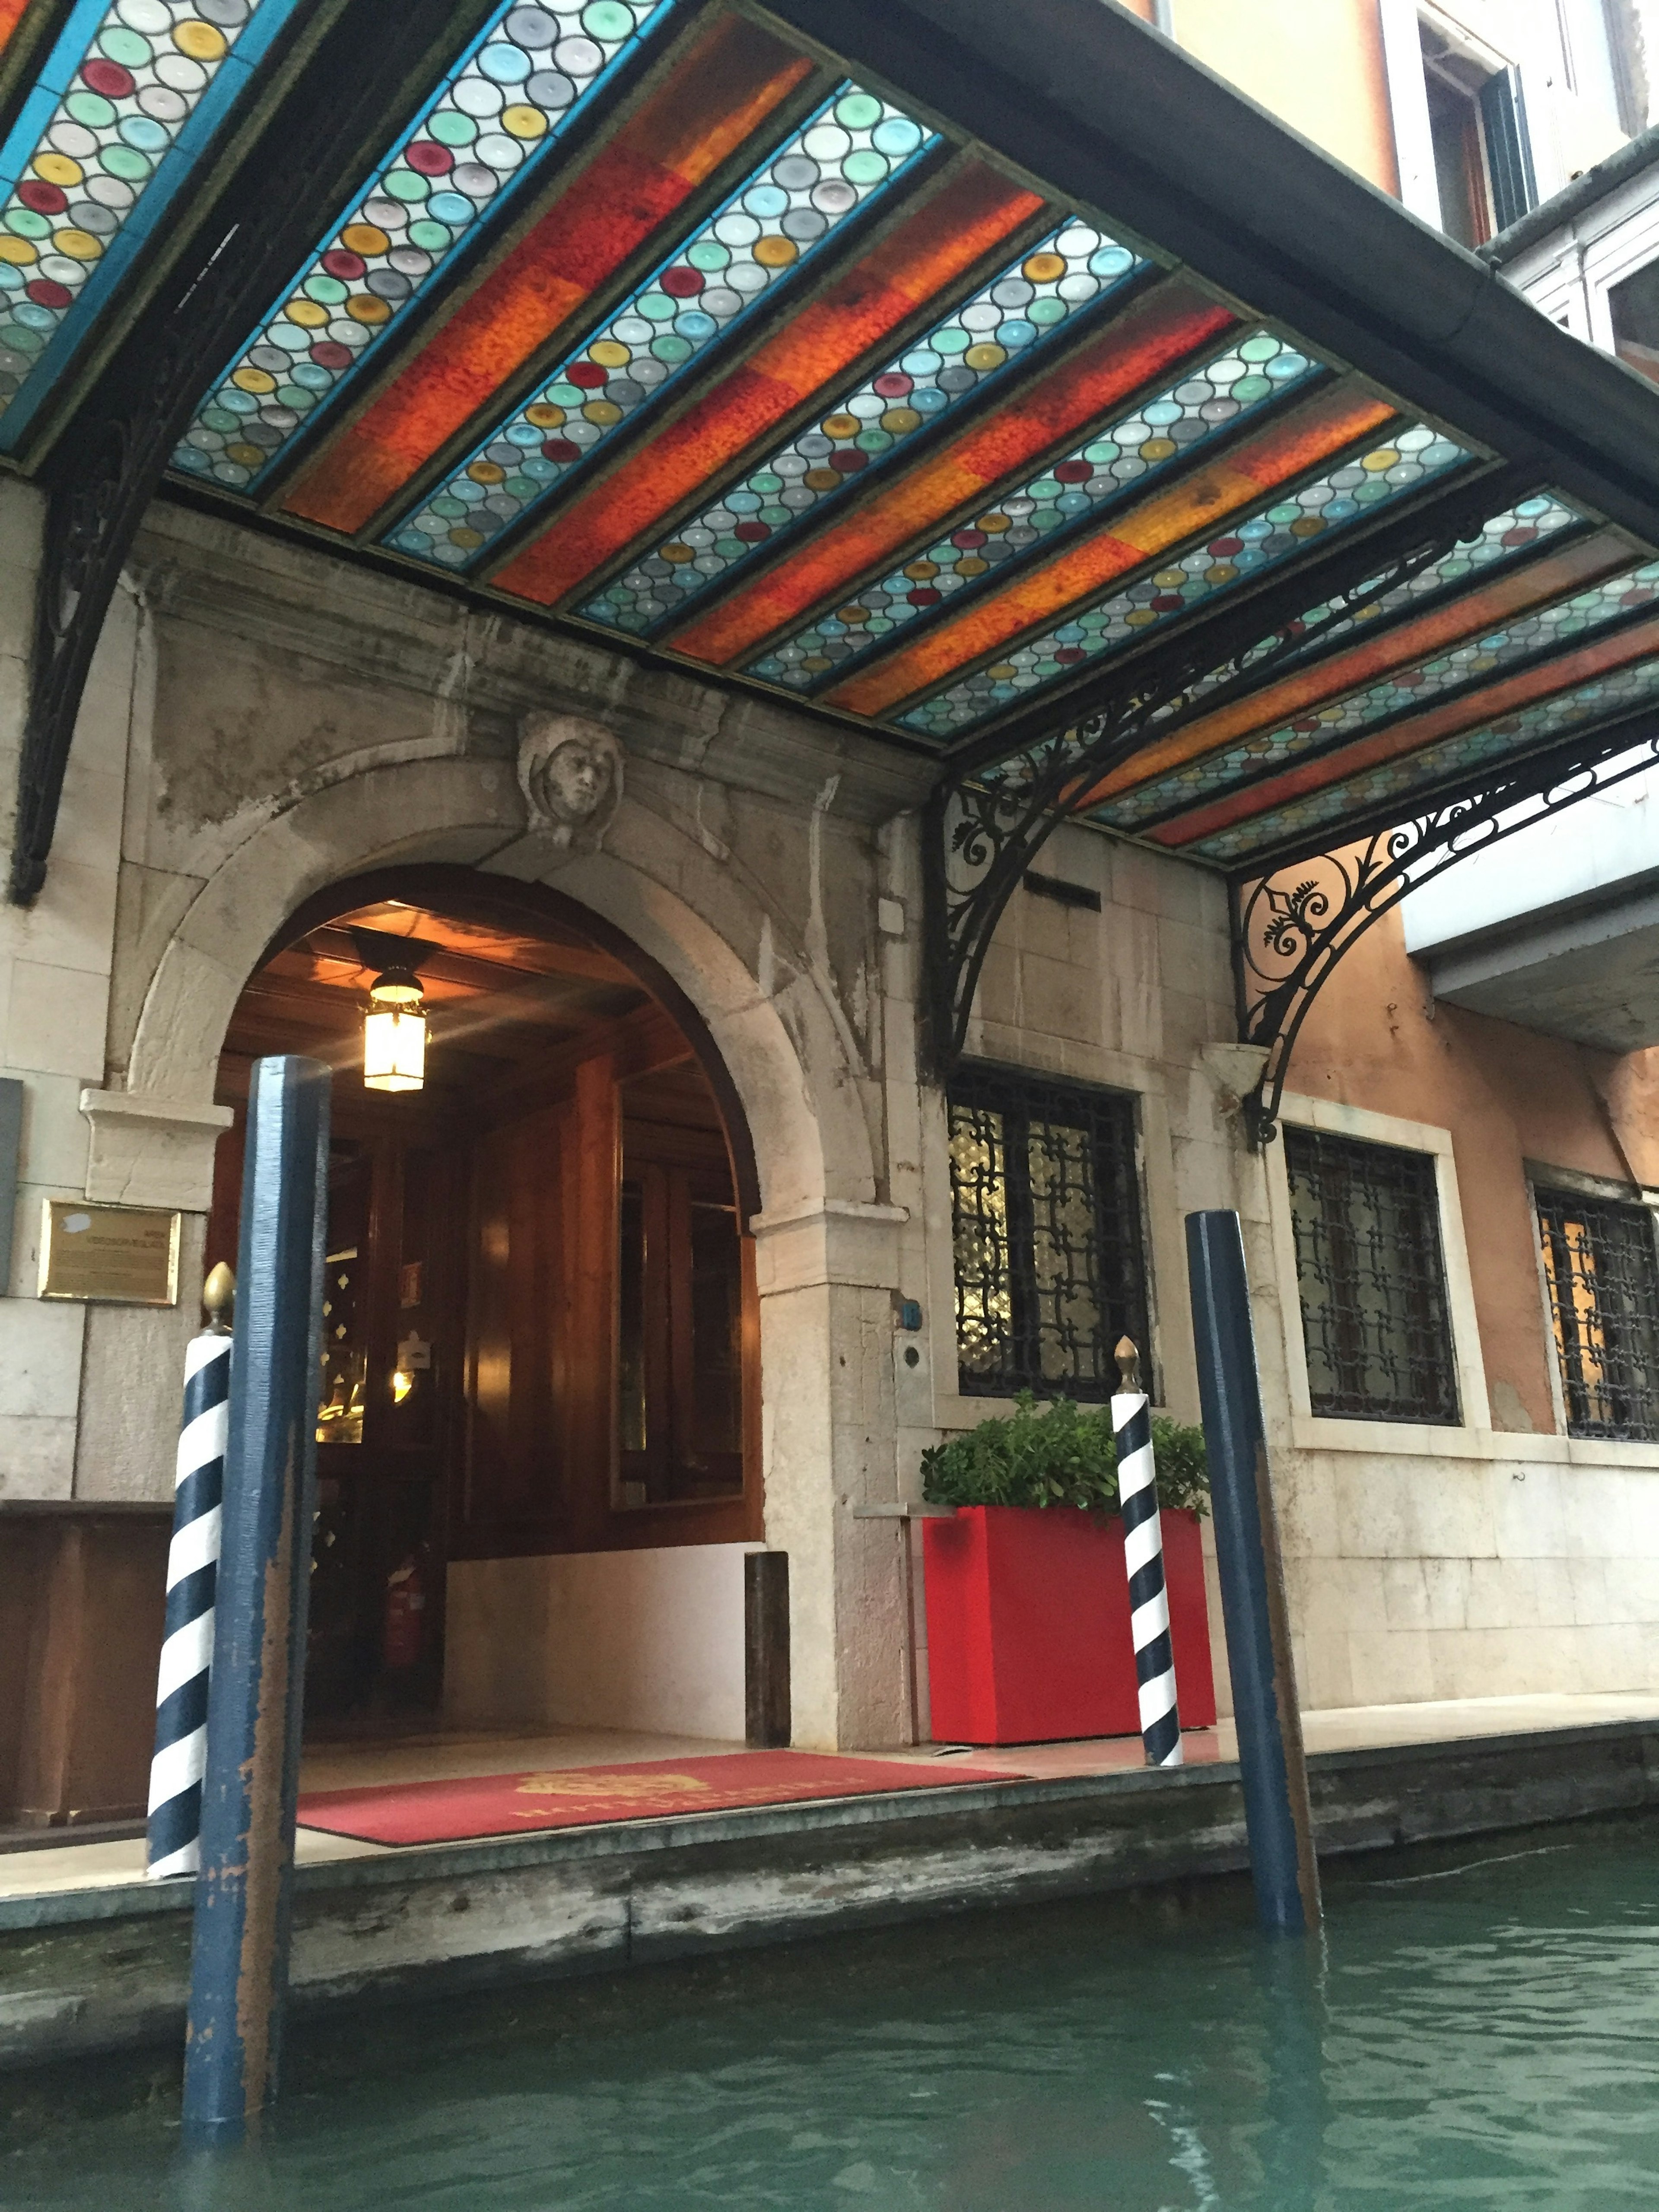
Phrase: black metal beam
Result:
[993,811]
[343,100]
[31,40]
[1363,819]
[471,264]
[1542,759]
[1440,515]
[1096,103]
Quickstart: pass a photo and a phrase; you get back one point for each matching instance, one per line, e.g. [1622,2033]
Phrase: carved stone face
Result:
[574,780]
[570,773]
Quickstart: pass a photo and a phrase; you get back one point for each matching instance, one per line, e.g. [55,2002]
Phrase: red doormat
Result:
[580,1796]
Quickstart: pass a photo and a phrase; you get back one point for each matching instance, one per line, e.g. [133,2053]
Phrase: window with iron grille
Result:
[1046,1205]
[1372,1280]
[1602,1272]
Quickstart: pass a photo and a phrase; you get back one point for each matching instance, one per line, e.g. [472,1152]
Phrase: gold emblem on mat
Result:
[633,1786]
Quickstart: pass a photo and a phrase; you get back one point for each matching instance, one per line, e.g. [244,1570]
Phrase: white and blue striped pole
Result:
[1143,1557]
[181,1692]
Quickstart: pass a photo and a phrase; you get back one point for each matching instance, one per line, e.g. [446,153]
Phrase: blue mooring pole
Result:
[239,1962]
[1254,1613]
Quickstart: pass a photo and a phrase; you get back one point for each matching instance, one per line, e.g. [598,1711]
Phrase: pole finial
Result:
[1128,1356]
[219,1299]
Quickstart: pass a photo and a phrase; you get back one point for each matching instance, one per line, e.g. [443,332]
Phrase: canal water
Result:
[1482,2031]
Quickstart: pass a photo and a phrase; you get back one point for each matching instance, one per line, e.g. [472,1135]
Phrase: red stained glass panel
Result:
[1400,739]
[1133,349]
[1234,480]
[733,79]
[932,246]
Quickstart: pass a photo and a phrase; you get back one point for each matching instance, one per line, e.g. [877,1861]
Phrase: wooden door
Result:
[680,1370]
[610,1364]
[388,1399]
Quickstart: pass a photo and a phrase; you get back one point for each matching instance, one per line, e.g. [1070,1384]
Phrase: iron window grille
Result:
[1602,1275]
[1372,1280]
[1050,1255]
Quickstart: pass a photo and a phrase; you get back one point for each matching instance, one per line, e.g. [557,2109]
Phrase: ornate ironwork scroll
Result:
[1292,925]
[988,817]
[110,458]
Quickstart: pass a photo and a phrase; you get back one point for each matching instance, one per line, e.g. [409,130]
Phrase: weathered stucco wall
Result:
[1509,1096]
[1319,69]
[1499,1557]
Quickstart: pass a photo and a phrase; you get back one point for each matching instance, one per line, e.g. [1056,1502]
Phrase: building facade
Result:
[689,1142]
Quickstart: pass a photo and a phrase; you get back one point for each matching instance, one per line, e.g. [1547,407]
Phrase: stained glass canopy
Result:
[936,369]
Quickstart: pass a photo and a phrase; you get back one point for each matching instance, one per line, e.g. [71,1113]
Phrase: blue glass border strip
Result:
[509,197]
[787,281]
[230,81]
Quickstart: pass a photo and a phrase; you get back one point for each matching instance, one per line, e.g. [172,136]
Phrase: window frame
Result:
[1349,1366]
[996,1087]
[1492,84]
[1340,1432]
[1543,1183]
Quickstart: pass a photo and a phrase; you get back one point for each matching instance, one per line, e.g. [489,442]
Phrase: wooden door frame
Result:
[470,897]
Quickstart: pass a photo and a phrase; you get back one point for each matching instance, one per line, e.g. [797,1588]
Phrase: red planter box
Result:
[1028,1625]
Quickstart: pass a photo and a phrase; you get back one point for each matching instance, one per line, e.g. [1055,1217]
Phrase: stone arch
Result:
[828,1251]
[783,1050]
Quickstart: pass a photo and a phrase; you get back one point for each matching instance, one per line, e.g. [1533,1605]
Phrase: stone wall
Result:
[1496,1557]
[260,727]
[264,723]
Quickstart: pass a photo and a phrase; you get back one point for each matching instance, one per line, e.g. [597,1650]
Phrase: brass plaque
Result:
[122,1255]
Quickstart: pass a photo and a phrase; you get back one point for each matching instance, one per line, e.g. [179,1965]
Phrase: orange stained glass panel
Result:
[1298,441]
[734,77]
[1139,346]
[12,13]
[1561,674]
[932,245]
[1569,570]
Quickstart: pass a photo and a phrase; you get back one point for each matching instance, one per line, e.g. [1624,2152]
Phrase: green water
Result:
[1483,2031]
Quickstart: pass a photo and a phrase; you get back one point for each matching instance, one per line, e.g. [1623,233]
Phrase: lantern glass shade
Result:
[394,1035]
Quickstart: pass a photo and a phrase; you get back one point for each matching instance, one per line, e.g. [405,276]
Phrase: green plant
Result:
[1060,1455]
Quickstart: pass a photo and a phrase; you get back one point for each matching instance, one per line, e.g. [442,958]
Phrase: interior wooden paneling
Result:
[548,1063]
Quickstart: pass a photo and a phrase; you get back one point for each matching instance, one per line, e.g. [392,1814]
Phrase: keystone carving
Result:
[570,771]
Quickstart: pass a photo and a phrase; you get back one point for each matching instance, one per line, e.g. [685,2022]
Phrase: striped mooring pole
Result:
[1143,1557]
[181,1691]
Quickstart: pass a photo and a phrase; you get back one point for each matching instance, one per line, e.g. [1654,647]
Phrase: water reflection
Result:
[1292,1981]
[1483,2033]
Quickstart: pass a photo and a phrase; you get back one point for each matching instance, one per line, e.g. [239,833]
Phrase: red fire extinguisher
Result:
[404,1628]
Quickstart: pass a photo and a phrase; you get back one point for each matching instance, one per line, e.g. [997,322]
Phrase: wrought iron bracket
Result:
[110,458]
[990,814]
[1293,925]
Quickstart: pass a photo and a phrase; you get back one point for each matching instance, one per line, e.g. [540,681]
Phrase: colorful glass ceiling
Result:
[653,319]
[128,99]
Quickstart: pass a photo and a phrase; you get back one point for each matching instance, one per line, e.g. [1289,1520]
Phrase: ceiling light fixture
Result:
[394,1023]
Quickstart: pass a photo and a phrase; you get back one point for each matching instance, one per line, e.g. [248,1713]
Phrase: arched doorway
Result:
[540,1337]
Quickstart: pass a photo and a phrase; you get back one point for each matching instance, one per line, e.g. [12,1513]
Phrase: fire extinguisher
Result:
[404,1627]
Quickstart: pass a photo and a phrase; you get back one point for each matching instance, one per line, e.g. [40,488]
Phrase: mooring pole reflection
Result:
[1291,1980]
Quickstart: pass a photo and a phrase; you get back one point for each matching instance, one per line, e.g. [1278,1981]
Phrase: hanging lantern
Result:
[394,1033]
